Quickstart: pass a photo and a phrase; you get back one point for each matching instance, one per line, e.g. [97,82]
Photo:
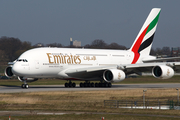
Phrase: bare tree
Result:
[98,44]
[166,51]
[10,46]
[116,46]
[54,45]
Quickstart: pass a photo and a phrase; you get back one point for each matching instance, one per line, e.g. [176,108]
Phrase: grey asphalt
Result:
[37,88]
[25,113]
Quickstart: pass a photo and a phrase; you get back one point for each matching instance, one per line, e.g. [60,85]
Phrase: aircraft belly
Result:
[85,75]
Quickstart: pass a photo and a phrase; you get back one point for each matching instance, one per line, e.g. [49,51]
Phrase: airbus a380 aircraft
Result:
[87,65]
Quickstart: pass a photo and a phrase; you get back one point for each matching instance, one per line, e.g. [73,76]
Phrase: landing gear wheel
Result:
[100,84]
[66,85]
[25,86]
[70,84]
[92,84]
[109,84]
[85,84]
[81,84]
[96,85]
[105,84]
[73,84]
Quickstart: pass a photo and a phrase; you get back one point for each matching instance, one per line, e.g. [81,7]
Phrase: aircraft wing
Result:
[162,59]
[147,67]
[88,72]
[97,72]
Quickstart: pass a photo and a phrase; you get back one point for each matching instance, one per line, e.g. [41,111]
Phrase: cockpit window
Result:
[23,60]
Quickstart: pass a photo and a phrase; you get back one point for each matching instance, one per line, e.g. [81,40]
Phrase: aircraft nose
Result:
[16,69]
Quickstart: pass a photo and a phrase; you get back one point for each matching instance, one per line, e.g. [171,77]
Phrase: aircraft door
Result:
[37,64]
[128,57]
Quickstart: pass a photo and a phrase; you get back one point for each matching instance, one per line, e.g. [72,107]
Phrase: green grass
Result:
[140,79]
[150,79]
[87,117]
[84,101]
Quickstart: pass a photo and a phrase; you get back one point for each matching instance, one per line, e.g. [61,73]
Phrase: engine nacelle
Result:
[113,75]
[8,72]
[22,79]
[162,72]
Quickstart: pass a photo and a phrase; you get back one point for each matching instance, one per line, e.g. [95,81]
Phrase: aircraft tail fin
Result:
[143,42]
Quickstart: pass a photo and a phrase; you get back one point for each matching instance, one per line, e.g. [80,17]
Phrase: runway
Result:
[38,88]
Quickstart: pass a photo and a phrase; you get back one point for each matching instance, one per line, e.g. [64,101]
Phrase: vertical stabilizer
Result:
[143,42]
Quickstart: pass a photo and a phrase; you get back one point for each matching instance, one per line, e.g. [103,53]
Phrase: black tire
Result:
[92,84]
[70,84]
[96,85]
[105,84]
[73,84]
[81,84]
[66,85]
[26,86]
[85,85]
[109,84]
[88,84]
[99,84]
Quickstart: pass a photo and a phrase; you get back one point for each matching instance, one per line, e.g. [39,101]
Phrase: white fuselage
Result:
[51,62]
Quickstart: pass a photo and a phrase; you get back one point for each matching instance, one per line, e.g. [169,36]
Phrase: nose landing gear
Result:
[25,85]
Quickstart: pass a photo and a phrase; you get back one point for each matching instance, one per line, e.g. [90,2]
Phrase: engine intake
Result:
[162,72]
[113,75]
[8,72]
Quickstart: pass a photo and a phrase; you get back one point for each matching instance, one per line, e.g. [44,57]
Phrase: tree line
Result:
[11,48]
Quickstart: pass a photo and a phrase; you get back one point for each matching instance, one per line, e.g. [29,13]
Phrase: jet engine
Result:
[8,72]
[113,75]
[162,72]
[22,79]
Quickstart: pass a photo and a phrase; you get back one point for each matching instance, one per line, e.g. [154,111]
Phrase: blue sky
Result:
[50,21]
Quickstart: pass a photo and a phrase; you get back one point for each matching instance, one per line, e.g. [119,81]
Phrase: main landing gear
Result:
[88,84]
[70,84]
[100,84]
